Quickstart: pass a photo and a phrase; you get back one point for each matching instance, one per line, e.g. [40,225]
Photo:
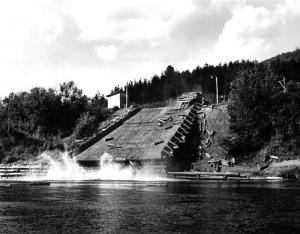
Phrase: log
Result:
[185,125]
[188,121]
[207,155]
[193,115]
[214,161]
[109,139]
[169,149]
[158,142]
[262,167]
[168,127]
[178,139]
[173,144]
[225,162]
[161,121]
[185,131]
[113,146]
[210,133]
[274,157]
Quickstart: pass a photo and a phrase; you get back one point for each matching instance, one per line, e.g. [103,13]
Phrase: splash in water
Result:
[63,167]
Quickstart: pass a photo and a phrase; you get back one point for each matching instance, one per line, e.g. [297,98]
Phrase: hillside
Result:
[286,65]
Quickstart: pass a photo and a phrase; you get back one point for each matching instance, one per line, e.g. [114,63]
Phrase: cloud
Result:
[258,32]
[99,44]
[50,27]
[106,53]
[127,20]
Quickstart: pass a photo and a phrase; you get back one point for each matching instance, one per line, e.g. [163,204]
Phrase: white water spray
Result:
[63,167]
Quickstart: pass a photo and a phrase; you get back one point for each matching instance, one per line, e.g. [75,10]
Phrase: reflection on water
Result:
[156,207]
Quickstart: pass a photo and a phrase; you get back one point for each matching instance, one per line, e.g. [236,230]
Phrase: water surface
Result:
[151,207]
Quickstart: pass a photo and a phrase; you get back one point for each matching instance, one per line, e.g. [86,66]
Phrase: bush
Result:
[86,126]
[259,110]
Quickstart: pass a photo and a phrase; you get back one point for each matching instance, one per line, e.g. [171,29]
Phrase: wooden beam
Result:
[178,139]
[192,114]
[191,123]
[187,126]
[191,118]
[173,144]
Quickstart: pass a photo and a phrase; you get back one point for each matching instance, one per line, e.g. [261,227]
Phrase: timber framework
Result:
[165,138]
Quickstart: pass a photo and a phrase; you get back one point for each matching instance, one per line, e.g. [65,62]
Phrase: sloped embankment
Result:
[214,125]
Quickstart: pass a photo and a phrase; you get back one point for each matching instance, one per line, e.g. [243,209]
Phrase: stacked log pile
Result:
[22,171]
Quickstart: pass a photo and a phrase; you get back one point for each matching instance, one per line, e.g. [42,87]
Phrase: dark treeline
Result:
[34,121]
[172,83]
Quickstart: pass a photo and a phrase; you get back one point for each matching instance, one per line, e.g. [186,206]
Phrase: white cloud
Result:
[106,53]
[258,32]
[43,43]
[127,20]
[50,27]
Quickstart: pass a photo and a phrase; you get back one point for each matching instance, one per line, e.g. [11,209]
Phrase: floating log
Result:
[207,155]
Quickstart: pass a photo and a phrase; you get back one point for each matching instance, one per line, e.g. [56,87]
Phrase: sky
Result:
[103,43]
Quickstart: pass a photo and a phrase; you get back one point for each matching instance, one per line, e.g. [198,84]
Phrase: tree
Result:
[74,103]
[249,107]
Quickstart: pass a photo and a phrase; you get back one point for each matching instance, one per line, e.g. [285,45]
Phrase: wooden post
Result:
[217,88]
[126,95]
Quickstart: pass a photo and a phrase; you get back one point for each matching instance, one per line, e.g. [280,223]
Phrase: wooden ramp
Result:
[152,134]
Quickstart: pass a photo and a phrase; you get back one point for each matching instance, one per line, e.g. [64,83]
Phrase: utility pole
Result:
[126,95]
[217,89]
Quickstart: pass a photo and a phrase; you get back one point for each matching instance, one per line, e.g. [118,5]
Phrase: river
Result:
[151,207]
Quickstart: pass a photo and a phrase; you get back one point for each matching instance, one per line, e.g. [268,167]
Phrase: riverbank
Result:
[288,169]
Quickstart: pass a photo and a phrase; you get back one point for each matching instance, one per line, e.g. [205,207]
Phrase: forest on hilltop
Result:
[172,83]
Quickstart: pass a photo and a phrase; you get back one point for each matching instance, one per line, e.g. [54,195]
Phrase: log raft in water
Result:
[195,175]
